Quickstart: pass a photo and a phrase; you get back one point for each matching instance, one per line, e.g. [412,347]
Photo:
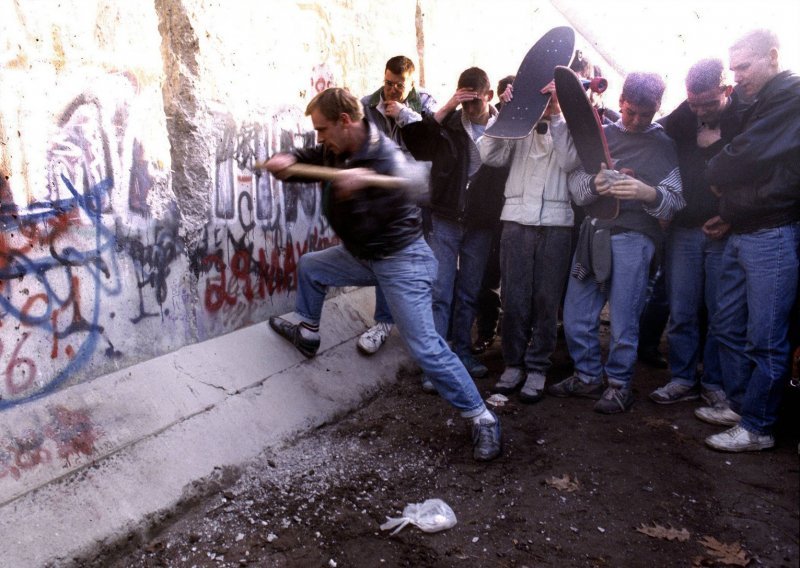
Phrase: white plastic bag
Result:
[433,515]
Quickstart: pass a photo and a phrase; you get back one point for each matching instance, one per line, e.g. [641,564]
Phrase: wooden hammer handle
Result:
[324,173]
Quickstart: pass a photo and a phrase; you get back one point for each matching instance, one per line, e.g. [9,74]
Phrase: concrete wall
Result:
[131,220]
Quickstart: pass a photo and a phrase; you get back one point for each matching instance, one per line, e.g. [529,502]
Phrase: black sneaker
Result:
[614,401]
[487,443]
[306,341]
[573,386]
[482,344]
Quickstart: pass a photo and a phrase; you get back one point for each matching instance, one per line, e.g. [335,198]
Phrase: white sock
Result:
[484,416]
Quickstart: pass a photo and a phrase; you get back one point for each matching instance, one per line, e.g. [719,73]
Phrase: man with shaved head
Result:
[700,127]
[758,177]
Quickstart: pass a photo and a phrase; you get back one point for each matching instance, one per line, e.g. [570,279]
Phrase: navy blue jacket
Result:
[758,173]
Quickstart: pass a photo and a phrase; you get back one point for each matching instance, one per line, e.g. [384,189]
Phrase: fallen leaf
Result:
[732,554]
[664,533]
[563,483]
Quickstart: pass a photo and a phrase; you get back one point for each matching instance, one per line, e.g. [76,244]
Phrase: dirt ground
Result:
[573,488]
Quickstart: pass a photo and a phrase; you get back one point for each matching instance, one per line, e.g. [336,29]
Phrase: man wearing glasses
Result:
[399,101]
[391,107]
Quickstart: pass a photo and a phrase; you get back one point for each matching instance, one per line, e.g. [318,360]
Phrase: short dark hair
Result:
[505,82]
[644,89]
[400,65]
[474,78]
[705,75]
[760,41]
[579,62]
[335,101]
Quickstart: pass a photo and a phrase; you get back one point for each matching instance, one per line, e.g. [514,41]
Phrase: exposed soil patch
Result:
[571,489]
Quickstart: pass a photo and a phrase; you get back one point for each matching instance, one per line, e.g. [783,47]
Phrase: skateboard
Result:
[587,134]
[518,117]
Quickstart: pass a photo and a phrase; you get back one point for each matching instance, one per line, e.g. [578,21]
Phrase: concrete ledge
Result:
[91,462]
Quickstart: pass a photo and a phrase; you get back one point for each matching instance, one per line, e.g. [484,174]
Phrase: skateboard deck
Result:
[518,117]
[587,135]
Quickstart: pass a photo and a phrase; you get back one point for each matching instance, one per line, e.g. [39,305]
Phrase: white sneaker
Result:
[737,439]
[371,340]
[719,415]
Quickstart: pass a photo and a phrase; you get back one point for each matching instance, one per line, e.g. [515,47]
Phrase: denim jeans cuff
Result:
[744,423]
[588,379]
[469,414]
[304,318]
[618,384]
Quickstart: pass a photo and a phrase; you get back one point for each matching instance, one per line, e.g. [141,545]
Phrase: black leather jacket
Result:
[681,126]
[376,222]
[476,204]
[759,171]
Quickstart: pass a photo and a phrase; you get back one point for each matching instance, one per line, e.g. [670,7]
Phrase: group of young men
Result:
[716,180]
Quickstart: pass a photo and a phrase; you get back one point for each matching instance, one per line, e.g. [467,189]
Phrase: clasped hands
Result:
[622,186]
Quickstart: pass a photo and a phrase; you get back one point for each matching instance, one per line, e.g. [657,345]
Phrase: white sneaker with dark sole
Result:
[373,339]
[719,415]
[737,439]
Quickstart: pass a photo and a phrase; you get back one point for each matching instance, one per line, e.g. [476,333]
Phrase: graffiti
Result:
[252,274]
[321,78]
[223,178]
[140,182]
[69,435]
[93,258]
[61,249]
[81,152]
[249,251]
[152,261]
[68,283]
[73,432]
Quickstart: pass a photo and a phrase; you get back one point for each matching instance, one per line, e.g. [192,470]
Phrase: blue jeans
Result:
[757,288]
[382,312]
[693,271]
[626,293]
[534,262]
[462,254]
[406,278]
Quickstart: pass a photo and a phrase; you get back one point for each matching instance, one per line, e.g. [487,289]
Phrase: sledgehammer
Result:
[323,173]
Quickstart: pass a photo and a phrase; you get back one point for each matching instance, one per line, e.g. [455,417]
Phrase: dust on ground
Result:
[573,488]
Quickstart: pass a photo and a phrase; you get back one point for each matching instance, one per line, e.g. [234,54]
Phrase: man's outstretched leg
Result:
[406,279]
[317,271]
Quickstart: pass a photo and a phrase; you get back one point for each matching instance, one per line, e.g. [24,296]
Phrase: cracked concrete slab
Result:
[88,463]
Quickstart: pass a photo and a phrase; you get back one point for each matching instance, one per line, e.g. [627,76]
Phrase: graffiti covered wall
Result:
[132,218]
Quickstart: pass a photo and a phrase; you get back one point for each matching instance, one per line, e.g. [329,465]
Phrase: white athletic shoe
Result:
[737,439]
[371,340]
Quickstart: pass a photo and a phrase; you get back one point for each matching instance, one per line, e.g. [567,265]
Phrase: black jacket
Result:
[376,222]
[681,126]
[476,203]
[759,171]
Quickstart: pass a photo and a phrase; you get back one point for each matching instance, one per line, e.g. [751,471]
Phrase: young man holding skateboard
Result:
[621,249]
[534,247]
[382,244]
